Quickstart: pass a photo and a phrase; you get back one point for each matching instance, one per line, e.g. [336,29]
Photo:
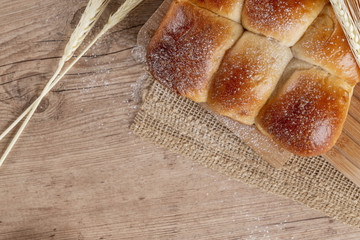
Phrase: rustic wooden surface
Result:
[78,172]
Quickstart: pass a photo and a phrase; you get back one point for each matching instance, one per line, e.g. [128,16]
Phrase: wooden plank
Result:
[78,172]
[345,155]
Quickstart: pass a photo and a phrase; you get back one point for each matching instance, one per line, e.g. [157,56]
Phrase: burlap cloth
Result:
[186,128]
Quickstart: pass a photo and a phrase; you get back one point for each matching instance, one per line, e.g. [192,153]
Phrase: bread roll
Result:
[283,20]
[247,77]
[188,47]
[307,113]
[324,44]
[227,8]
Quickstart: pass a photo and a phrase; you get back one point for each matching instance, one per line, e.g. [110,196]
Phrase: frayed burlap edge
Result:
[184,127]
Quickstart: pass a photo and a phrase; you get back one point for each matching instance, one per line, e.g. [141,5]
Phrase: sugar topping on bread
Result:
[200,52]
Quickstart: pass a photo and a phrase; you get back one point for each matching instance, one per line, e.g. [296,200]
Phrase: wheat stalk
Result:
[114,19]
[348,14]
[91,15]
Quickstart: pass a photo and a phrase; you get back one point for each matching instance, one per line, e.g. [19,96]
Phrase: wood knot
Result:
[44,104]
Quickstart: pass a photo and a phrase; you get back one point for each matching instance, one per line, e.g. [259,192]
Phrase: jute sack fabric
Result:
[185,127]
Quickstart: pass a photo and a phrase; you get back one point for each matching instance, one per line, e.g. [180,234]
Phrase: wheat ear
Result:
[92,13]
[348,13]
[114,19]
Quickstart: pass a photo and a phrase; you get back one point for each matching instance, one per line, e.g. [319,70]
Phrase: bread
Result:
[247,77]
[188,47]
[302,105]
[324,44]
[307,113]
[283,20]
[294,65]
[227,8]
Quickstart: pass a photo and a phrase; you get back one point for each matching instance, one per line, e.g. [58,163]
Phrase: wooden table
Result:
[79,173]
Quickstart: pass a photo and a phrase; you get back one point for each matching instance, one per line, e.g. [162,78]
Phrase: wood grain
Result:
[78,172]
[345,155]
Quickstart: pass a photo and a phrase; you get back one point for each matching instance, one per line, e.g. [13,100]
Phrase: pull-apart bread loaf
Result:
[199,52]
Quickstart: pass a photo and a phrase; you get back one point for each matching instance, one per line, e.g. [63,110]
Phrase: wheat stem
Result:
[114,19]
[117,17]
[92,13]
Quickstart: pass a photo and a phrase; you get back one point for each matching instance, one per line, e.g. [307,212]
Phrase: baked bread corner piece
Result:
[188,47]
[247,77]
[227,8]
[284,20]
[324,44]
[307,113]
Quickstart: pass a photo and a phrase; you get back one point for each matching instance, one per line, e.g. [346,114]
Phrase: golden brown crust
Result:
[247,77]
[188,47]
[307,114]
[305,110]
[283,20]
[324,44]
[227,8]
